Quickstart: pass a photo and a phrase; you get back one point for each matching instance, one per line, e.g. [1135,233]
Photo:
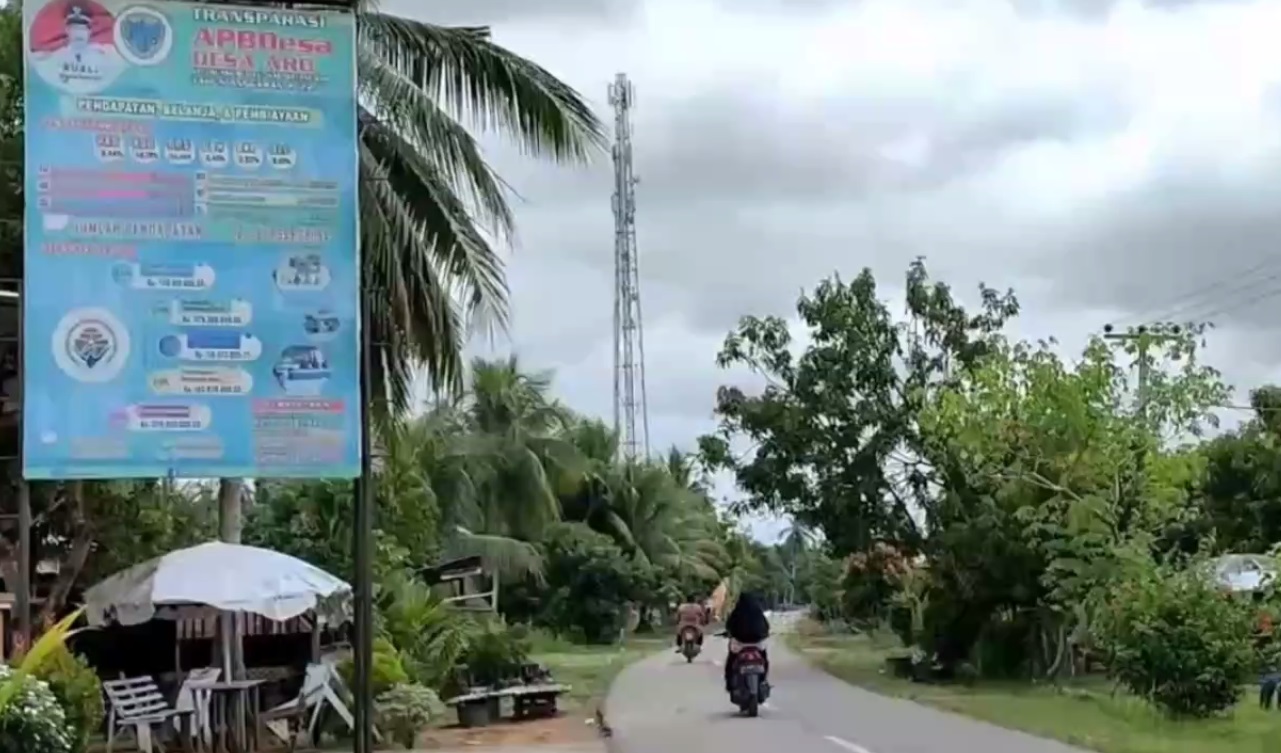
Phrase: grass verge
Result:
[589,670]
[1085,714]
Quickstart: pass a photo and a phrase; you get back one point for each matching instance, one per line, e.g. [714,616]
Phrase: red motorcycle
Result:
[749,687]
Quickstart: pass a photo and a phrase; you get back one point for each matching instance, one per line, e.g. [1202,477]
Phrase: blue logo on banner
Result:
[91,343]
[144,34]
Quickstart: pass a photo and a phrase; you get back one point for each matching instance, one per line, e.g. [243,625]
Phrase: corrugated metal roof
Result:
[1244,572]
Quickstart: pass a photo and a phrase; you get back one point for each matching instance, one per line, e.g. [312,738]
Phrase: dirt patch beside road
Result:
[567,729]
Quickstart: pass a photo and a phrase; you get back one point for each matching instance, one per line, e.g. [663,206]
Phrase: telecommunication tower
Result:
[631,414]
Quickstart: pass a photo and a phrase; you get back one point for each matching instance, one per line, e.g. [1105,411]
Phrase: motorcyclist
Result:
[689,615]
[746,624]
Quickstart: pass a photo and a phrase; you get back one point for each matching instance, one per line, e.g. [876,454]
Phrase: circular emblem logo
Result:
[90,345]
[143,35]
[71,46]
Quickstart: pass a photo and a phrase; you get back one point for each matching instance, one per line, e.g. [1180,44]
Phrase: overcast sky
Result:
[1111,161]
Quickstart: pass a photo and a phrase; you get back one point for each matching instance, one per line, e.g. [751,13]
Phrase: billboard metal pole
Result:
[362,543]
[363,508]
[23,596]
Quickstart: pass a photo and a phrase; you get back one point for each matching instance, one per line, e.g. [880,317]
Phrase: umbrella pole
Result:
[226,624]
[362,544]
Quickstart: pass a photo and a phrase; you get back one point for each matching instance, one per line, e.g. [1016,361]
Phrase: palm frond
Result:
[489,87]
[402,105]
[420,250]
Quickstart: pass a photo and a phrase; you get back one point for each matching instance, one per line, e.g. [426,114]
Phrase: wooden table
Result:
[233,713]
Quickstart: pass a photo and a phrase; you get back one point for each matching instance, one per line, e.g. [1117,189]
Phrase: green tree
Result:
[657,511]
[833,433]
[590,582]
[11,141]
[312,520]
[797,547]
[1046,475]
[517,430]
[1241,491]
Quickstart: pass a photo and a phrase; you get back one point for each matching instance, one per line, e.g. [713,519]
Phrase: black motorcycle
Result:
[690,643]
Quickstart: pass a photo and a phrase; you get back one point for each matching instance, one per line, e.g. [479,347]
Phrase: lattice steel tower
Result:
[631,415]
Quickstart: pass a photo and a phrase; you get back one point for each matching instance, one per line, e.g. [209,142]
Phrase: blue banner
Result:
[191,294]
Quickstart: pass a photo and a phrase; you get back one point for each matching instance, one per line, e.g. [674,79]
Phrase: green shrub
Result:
[497,652]
[78,690]
[386,670]
[405,710]
[589,582]
[32,720]
[431,635]
[1177,640]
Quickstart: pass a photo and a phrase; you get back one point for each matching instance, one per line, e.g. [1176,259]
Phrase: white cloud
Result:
[1105,159]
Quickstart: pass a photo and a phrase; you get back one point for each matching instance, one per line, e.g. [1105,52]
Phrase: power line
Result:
[1192,299]
[1212,297]
[1191,309]
[1263,295]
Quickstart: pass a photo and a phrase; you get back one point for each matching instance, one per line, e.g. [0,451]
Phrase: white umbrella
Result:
[228,577]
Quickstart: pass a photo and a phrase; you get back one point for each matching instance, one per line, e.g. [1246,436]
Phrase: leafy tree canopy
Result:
[838,413]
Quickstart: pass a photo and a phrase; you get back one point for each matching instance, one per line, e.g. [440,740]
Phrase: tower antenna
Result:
[631,412]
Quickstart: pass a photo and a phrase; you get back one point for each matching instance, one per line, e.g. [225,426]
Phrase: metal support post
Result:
[362,544]
[22,620]
[22,599]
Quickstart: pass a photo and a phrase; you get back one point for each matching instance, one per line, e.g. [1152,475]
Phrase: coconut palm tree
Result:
[668,524]
[516,426]
[429,201]
[794,543]
[588,497]
[653,509]
[430,206]
[491,461]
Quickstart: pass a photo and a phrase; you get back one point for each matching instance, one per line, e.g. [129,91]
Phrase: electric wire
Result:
[1208,300]
[1204,309]
[1263,295]
[1173,306]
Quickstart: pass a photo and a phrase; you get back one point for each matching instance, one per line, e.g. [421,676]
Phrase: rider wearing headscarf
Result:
[746,624]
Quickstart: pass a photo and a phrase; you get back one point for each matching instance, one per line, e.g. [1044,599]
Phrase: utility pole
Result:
[631,412]
[1143,337]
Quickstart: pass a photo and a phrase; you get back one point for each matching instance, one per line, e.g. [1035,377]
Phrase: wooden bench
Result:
[529,701]
[137,704]
[482,705]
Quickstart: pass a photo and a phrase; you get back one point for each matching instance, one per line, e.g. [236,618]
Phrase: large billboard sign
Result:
[191,263]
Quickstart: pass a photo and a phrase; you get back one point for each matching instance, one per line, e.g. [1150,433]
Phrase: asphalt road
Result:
[663,705]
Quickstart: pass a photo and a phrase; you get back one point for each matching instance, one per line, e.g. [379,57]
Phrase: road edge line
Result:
[846,744]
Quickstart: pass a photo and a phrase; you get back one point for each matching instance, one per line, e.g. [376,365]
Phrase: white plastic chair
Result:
[320,686]
[136,705]
[198,704]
